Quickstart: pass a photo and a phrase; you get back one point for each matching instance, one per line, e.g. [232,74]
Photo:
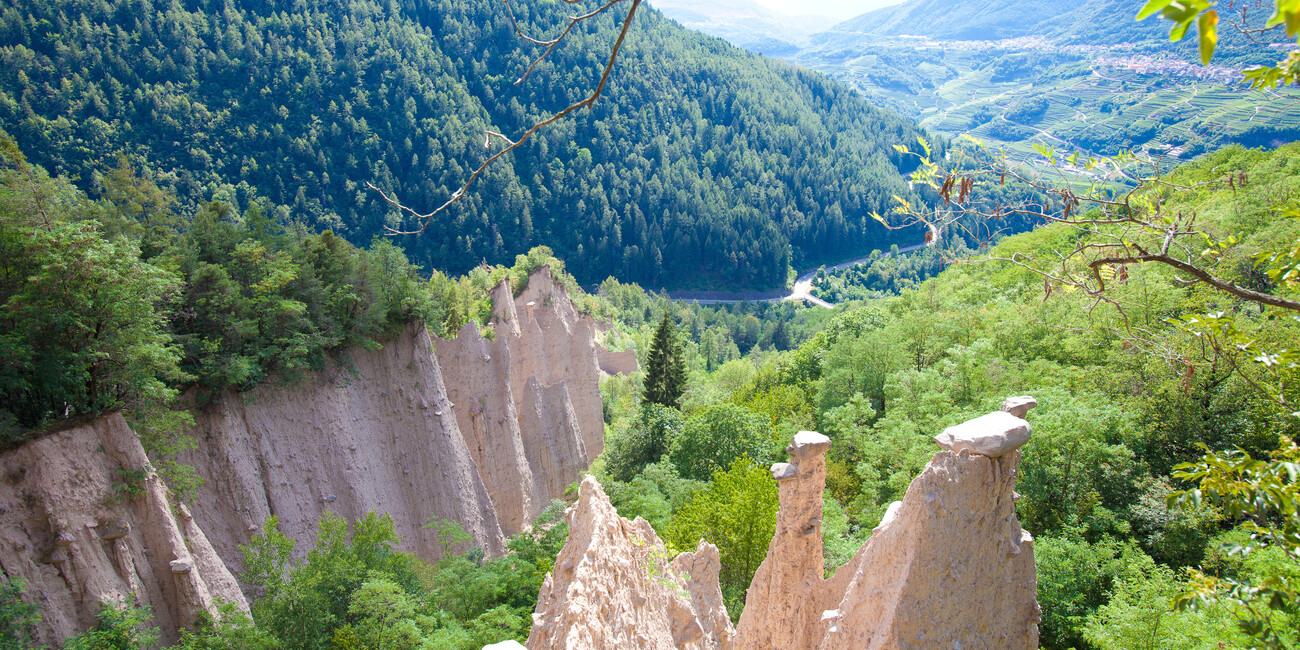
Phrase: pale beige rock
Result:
[613,587]
[1019,406]
[776,613]
[991,435]
[528,402]
[552,437]
[481,432]
[477,374]
[948,566]
[551,342]
[953,568]
[379,436]
[376,433]
[617,363]
[77,545]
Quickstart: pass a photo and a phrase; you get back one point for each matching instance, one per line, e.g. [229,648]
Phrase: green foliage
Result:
[356,591]
[1139,615]
[889,274]
[1119,408]
[737,513]
[118,626]
[714,437]
[1184,13]
[665,372]
[263,304]
[129,483]
[233,630]
[83,325]
[18,618]
[1266,494]
[1074,578]
[1077,470]
[644,441]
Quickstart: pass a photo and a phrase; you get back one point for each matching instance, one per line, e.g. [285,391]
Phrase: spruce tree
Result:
[665,376]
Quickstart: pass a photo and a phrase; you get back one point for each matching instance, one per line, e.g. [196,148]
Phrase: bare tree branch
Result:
[1133,228]
[553,42]
[427,218]
[1202,275]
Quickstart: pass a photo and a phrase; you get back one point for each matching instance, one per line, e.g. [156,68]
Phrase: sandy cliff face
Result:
[528,402]
[614,587]
[77,542]
[382,437]
[481,432]
[949,567]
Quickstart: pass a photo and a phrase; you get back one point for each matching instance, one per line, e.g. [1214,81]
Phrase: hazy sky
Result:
[838,9]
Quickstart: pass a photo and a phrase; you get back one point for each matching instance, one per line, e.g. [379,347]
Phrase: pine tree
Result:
[665,377]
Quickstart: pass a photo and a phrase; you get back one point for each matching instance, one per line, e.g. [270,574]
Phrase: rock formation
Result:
[948,566]
[784,603]
[528,402]
[84,520]
[613,587]
[381,437]
[481,432]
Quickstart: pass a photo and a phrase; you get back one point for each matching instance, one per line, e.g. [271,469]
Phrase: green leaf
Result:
[1207,26]
[1152,7]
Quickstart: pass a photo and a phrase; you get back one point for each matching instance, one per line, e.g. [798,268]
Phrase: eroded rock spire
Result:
[948,567]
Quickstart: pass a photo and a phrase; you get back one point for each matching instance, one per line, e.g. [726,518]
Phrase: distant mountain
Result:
[1068,22]
[745,24]
[1082,76]
[959,20]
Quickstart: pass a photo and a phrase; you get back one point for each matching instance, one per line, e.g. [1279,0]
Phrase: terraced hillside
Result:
[1094,100]
[1078,76]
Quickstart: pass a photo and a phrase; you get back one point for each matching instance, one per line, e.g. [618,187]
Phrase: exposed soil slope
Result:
[85,520]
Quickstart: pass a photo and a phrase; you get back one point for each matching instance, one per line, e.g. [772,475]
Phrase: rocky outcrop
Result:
[785,600]
[528,401]
[380,435]
[614,587]
[482,432]
[554,344]
[951,568]
[85,520]
[622,362]
[948,567]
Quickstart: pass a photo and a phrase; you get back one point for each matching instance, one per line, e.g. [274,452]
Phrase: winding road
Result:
[803,283]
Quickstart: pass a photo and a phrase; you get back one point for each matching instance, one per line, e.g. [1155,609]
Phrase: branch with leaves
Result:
[1266,495]
[1202,14]
[423,220]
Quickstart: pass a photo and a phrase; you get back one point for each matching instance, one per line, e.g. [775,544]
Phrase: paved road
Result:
[803,284]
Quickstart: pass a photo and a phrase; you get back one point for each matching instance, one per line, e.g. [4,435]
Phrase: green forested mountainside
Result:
[701,165]
[117,302]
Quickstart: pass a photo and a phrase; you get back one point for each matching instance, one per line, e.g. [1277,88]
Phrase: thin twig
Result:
[427,218]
